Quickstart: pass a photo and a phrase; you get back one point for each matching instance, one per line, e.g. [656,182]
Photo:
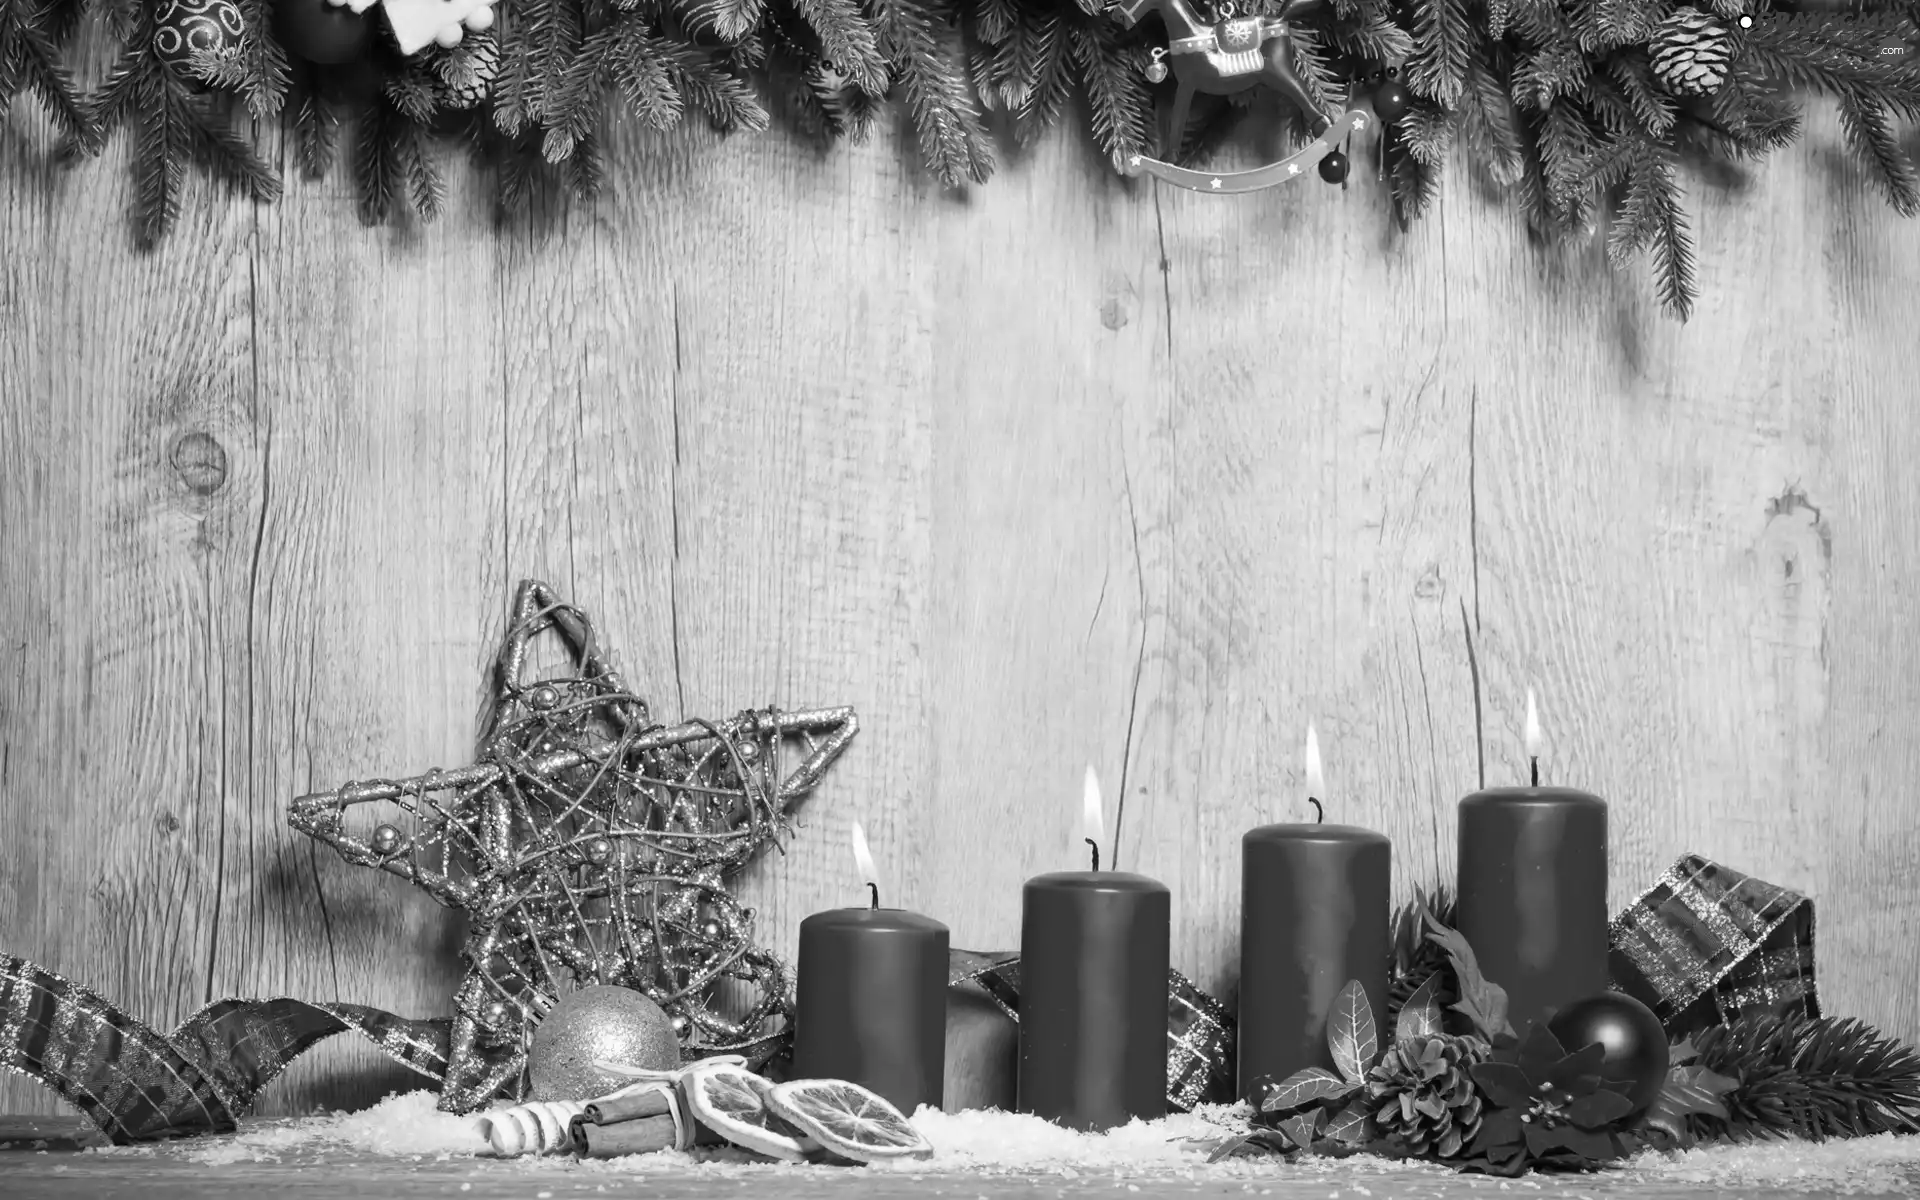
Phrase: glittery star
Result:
[1293,168]
[1359,120]
[588,844]
[1215,185]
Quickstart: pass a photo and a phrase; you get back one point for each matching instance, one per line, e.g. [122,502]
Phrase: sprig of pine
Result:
[33,43]
[1812,1077]
[914,36]
[172,124]
[1417,957]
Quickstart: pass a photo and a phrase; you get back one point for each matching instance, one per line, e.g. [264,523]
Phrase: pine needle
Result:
[1444,37]
[953,142]
[1812,1077]
[1116,91]
[316,129]
[1873,141]
[1051,65]
[847,41]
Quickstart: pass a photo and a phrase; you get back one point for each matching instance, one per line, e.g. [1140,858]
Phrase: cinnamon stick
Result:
[631,1106]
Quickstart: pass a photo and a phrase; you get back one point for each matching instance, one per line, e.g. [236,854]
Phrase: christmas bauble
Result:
[1691,53]
[1333,168]
[1391,101]
[320,31]
[598,1024]
[182,28]
[1636,1045]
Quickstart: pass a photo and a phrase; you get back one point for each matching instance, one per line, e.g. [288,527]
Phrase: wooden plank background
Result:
[1067,471]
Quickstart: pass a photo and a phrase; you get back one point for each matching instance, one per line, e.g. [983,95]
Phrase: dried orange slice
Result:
[732,1101]
[847,1119]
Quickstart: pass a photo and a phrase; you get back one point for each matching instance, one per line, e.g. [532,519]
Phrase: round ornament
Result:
[1333,168]
[388,840]
[1391,101]
[321,31]
[1156,71]
[183,28]
[598,1024]
[1636,1044]
[1691,53]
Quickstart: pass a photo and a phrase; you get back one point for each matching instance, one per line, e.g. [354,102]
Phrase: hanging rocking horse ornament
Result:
[1231,55]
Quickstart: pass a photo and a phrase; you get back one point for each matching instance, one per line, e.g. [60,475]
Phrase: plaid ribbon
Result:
[1706,944]
[1200,1049]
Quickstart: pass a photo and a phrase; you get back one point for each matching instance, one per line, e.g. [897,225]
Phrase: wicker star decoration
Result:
[590,845]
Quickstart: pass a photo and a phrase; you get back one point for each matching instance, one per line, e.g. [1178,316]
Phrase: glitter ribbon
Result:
[1200,1047]
[1707,943]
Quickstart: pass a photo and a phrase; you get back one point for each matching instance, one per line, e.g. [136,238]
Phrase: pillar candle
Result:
[1093,992]
[1533,892]
[871,999]
[1315,913]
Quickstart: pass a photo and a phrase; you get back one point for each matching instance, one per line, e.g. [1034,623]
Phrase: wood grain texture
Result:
[1069,472]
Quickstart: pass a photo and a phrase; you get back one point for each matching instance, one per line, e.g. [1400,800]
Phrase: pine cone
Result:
[1422,1095]
[1692,53]
[465,73]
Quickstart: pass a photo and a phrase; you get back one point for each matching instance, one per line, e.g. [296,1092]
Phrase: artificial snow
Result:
[998,1144]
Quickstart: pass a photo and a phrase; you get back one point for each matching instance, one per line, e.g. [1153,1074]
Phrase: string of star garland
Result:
[1584,112]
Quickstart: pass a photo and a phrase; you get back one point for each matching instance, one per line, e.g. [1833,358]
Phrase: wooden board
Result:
[1071,471]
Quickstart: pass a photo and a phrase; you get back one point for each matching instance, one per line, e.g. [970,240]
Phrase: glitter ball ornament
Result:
[321,31]
[1422,1094]
[599,1024]
[1636,1045]
[184,28]
[1691,53]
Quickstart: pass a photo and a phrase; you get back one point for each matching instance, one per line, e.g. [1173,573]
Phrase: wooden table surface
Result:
[50,1157]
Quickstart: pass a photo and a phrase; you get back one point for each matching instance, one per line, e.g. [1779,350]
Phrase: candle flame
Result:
[1316,781]
[1091,819]
[1533,727]
[862,857]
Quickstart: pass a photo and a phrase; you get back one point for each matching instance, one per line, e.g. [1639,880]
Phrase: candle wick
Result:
[1536,770]
[1096,851]
[875,889]
[1319,814]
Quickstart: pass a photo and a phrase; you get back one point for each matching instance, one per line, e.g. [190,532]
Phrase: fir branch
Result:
[424,185]
[848,42]
[1116,90]
[316,128]
[1652,107]
[573,107]
[640,71]
[952,141]
[1863,119]
[994,20]
[1051,64]
[32,33]
[1372,38]
[728,101]
[1414,183]
[1650,217]
[1444,37]
[1812,1077]
[227,156]
[377,169]
[727,20]
[159,158]
[584,169]
[267,70]
[1491,126]
[1835,56]
[1416,958]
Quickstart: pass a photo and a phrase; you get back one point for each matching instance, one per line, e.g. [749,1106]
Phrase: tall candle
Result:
[1315,913]
[1533,890]
[1093,992]
[871,997]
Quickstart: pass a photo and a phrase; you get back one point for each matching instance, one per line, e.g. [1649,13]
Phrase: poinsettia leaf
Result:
[1590,1146]
[1601,1108]
[1351,1034]
[1259,1141]
[1420,1015]
[1541,1053]
[1482,1001]
[1349,1125]
[1582,1064]
[1504,1083]
[1303,1088]
[1682,1051]
[1299,1130]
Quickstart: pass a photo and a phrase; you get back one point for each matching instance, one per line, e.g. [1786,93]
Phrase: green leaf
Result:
[1303,1088]
[1505,1084]
[1260,1141]
[1351,1034]
[1483,1001]
[1349,1125]
[1300,1129]
[1420,1015]
[1600,1108]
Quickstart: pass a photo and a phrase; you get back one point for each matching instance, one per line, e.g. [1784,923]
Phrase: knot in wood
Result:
[200,461]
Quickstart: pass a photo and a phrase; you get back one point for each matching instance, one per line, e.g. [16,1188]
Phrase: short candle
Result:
[871,997]
[1315,914]
[1094,951]
[1533,890]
